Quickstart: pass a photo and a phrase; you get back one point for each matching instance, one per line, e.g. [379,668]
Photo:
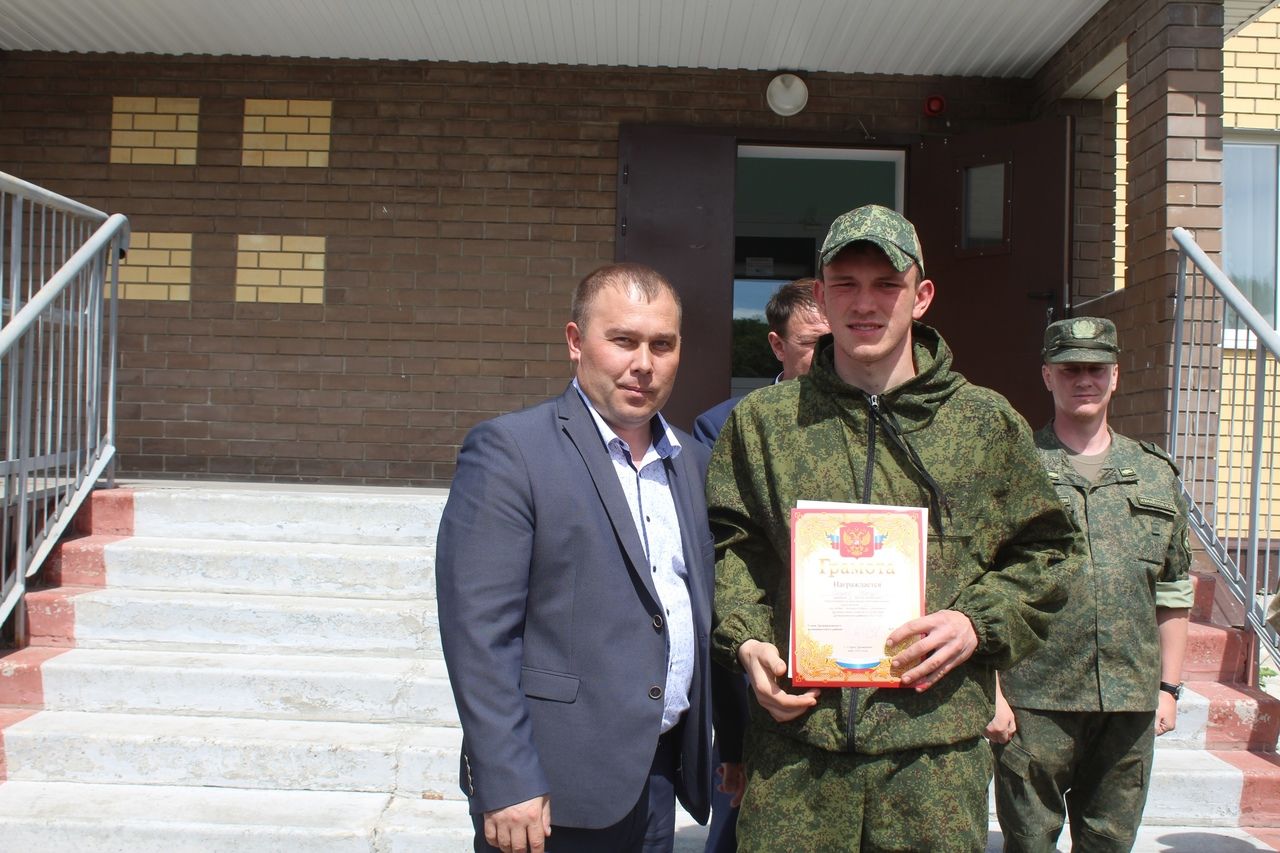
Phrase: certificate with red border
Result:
[857,572]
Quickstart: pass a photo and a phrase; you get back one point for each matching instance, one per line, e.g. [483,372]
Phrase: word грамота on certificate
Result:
[857,572]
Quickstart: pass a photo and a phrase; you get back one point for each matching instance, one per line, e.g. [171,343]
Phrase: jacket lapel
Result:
[582,433]
[682,475]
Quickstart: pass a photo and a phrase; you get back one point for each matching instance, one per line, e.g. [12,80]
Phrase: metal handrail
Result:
[57,371]
[1224,422]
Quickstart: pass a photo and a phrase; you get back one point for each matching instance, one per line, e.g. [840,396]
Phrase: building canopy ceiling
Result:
[991,38]
[997,38]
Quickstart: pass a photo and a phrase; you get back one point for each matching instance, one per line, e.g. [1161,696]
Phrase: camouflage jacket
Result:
[996,550]
[1103,650]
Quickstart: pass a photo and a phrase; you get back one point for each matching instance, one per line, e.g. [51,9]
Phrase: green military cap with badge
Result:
[1081,340]
[876,224]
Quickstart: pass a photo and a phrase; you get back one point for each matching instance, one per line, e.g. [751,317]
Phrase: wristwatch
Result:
[1175,690]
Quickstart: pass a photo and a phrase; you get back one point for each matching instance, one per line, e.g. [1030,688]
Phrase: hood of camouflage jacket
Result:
[913,404]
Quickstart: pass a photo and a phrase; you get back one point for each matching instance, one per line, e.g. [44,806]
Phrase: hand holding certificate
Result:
[857,573]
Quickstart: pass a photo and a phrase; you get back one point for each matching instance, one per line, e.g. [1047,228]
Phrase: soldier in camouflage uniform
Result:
[1087,706]
[881,418]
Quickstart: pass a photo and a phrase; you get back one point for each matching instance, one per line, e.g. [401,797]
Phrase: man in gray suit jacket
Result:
[574,576]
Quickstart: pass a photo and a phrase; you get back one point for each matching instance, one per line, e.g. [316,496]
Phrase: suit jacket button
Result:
[655,692]
[657,621]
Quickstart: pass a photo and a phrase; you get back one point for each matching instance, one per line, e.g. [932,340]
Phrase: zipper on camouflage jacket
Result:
[873,402]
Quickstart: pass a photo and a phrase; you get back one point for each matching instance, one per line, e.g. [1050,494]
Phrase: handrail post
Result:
[117,249]
[1178,313]
[1255,487]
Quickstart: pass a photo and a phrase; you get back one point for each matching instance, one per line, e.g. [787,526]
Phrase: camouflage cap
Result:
[887,228]
[1081,340]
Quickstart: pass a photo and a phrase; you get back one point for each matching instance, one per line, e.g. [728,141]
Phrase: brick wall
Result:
[458,206]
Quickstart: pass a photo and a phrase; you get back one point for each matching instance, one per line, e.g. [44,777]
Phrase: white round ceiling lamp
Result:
[787,94]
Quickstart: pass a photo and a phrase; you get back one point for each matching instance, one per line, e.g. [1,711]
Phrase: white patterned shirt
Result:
[653,509]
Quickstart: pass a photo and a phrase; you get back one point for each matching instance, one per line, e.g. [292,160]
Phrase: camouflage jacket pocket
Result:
[1154,519]
[950,569]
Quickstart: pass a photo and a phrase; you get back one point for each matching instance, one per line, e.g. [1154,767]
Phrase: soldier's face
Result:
[1080,391]
[870,306]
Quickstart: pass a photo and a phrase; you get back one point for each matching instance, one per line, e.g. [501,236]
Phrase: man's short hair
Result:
[794,297]
[636,280]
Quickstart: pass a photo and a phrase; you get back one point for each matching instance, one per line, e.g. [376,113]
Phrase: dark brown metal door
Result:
[675,213]
[995,289]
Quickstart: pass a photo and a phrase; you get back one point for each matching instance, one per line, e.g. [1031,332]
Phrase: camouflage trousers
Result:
[808,800]
[1093,767]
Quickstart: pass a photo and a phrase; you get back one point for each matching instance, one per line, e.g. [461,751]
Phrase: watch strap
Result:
[1174,690]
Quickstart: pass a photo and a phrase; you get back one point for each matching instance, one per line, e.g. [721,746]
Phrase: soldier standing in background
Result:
[1087,706]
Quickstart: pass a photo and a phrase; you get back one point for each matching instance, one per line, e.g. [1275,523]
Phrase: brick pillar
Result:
[1175,179]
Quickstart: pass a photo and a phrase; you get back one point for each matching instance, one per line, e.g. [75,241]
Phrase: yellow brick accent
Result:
[155,122]
[303,244]
[286,132]
[260,107]
[1251,75]
[285,158]
[280,260]
[133,105]
[154,130]
[1255,122]
[286,124]
[280,294]
[157,267]
[287,268]
[161,240]
[302,278]
[311,108]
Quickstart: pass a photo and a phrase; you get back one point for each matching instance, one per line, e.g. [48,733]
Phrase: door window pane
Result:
[1249,223]
[983,206]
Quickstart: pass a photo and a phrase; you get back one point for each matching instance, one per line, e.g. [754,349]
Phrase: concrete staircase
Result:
[250,668]
[235,668]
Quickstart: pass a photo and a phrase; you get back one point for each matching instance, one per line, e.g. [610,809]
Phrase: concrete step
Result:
[195,621]
[435,826]
[68,817]
[1214,653]
[281,568]
[1224,716]
[1193,787]
[307,687]
[153,749]
[269,513]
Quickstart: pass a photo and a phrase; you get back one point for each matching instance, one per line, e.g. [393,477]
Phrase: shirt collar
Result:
[667,446]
